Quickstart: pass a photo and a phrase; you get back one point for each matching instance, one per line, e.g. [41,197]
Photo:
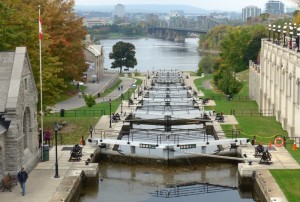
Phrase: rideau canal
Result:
[207,182]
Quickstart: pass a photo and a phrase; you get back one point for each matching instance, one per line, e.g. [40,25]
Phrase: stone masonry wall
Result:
[254,81]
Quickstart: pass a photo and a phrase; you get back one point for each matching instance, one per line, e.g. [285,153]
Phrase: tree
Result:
[62,48]
[226,81]
[66,32]
[208,64]
[212,40]
[124,55]
[89,100]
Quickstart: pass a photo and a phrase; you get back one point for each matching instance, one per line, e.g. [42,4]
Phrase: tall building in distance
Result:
[274,7]
[119,11]
[176,13]
[250,11]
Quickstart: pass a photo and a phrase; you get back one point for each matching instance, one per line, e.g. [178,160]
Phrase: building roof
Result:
[6,66]
[95,49]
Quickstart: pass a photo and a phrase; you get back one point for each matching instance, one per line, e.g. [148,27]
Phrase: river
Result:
[159,54]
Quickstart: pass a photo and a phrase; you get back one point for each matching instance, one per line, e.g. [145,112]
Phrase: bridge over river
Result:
[178,28]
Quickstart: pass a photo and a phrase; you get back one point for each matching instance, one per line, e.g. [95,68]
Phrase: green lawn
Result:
[108,91]
[288,181]
[79,126]
[264,128]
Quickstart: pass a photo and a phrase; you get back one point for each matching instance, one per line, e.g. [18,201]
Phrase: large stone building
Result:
[94,55]
[18,113]
[275,85]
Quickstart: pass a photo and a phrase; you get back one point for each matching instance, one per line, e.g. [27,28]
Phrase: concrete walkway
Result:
[41,184]
[93,89]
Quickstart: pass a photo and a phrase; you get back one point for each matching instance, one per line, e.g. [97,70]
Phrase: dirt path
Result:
[207,85]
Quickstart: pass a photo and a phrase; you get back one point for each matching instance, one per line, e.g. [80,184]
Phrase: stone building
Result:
[95,57]
[275,85]
[18,113]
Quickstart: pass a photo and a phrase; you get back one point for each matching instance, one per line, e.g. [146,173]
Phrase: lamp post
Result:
[298,39]
[56,163]
[270,28]
[122,96]
[274,30]
[284,34]
[278,36]
[109,112]
[91,131]
[291,36]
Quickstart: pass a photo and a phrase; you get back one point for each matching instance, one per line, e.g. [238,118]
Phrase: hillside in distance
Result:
[144,8]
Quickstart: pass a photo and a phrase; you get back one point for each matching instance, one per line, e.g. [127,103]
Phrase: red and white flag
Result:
[40,29]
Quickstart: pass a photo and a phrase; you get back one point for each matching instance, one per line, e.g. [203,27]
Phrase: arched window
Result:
[26,127]
[290,85]
[282,79]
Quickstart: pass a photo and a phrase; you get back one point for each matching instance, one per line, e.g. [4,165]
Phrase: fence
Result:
[79,113]
[251,112]
[235,98]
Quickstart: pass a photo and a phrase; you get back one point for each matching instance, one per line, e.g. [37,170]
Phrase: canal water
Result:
[118,182]
[133,183]
[159,54]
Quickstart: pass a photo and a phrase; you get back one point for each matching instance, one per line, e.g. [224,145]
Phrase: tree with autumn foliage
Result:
[66,31]
[62,48]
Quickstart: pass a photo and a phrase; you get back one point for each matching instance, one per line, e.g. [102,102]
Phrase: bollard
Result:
[294,148]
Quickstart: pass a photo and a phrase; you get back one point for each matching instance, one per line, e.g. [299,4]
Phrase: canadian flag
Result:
[40,29]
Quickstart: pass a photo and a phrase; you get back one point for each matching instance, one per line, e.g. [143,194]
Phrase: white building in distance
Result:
[250,12]
[119,11]
[274,7]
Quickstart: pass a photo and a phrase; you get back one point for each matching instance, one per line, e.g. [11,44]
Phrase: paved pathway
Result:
[93,89]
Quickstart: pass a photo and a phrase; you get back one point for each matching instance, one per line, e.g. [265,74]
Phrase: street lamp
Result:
[270,29]
[122,103]
[56,163]
[298,39]
[284,34]
[278,36]
[274,30]
[109,112]
[291,36]
[91,131]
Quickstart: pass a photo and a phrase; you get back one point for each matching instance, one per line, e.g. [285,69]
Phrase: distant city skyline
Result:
[222,5]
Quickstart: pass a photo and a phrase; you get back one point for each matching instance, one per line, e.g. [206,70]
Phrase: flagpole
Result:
[41,85]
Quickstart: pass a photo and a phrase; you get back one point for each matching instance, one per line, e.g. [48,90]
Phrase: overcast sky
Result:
[227,5]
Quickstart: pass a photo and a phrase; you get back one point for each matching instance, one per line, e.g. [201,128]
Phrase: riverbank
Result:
[215,52]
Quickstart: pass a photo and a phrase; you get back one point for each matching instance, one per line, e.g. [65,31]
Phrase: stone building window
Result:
[26,84]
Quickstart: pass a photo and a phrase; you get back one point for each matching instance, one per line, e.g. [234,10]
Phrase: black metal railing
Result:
[190,189]
[251,112]
[79,113]
[234,98]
